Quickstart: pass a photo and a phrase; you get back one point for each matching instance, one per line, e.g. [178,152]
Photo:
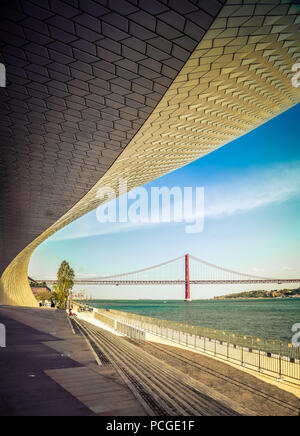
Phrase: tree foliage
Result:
[34,284]
[65,282]
[43,295]
[284,293]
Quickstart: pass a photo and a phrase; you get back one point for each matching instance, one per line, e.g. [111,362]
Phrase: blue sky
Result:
[252,215]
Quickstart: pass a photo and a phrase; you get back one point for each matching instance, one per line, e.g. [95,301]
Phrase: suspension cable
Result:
[229,270]
[137,271]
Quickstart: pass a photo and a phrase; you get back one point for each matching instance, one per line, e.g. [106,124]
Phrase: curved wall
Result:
[237,78]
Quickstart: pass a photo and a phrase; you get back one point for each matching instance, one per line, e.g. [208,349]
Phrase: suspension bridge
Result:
[185,270]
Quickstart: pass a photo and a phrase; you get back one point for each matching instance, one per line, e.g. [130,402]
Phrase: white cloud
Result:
[99,229]
[258,270]
[255,188]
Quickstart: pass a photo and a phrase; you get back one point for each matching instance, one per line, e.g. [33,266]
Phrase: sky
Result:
[251,221]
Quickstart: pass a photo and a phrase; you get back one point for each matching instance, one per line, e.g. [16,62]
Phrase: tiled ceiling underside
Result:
[83,77]
[238,77]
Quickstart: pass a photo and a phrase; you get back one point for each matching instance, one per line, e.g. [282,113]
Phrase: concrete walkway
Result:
[46,370]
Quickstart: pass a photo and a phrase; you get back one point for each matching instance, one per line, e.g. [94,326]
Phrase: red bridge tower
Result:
[187,279]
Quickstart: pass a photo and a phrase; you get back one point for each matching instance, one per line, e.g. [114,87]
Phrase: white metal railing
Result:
[272,364]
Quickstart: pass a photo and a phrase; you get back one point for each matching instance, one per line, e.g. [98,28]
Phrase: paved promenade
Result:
[255,392]
[46,370]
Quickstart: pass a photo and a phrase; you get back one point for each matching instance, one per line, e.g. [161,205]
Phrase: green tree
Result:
[43,295]
[65,282]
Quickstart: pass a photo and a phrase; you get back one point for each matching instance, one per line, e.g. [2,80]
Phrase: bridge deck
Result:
[177,282]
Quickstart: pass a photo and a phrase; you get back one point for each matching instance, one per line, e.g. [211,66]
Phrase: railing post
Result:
[228,339]
[280,369]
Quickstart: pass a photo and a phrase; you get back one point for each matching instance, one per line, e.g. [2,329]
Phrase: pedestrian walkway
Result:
[46,370]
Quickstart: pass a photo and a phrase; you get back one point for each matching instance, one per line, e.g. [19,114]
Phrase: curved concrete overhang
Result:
[237,78]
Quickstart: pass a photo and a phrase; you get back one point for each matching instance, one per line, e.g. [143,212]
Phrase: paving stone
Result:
[55,374]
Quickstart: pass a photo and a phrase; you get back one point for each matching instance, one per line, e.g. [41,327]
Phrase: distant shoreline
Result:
[256,298]
[262,295]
